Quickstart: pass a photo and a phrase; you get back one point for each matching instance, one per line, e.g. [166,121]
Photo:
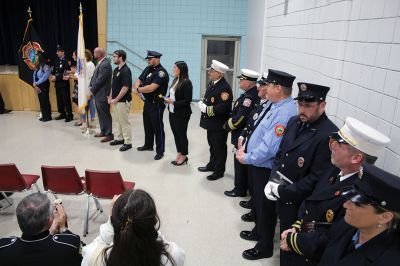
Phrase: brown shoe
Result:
[107,139]
[99,135]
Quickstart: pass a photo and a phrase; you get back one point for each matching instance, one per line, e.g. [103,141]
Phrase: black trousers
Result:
[154,126]
[105,120]
[2,107]
[265,210]
[241,178]
[64,101]
[179,127]
[44,100]
[218,150]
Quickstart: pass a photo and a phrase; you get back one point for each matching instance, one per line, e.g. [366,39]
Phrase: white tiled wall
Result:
[353,46]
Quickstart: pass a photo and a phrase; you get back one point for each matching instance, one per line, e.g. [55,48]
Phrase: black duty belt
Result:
[314,226]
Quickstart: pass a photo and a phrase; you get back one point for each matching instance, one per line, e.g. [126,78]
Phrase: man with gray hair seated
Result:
[45,238]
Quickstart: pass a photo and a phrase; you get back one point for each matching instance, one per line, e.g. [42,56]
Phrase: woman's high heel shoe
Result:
[179,164]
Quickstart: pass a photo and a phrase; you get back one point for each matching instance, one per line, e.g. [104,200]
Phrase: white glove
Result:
[271,191]
[202,106]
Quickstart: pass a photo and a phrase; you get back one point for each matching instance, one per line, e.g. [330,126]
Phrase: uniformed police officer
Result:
[215,110]
[152,84]
[45,240]
[240,112]
[354,144]
[303,154]
[369,233]
[261,147]
[61,79]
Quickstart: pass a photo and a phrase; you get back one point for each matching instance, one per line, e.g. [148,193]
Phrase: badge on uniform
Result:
[279,130]
[161,74]
[212,100]
[329,215]
[255,116]
[247,102]
[224,96]
[300,162]
[148,76]
[303,87]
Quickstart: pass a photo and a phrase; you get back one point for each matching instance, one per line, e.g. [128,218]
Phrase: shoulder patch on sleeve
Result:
[224,96]
[161,74]
[7,241]
[279,130]
[247,102]
[71,240]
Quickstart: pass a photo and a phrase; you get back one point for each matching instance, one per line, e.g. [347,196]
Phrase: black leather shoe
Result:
[117,142]
[248,235]
[233,193]
[248,217]
[214,176]
[69,119]
[245,204]
[45,119]
[158,156]
[5,111]
[125,147]
[144,148]
[205,169]
[60,117]
[255,254]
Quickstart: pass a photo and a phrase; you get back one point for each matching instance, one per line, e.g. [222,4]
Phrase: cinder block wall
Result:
[353,46]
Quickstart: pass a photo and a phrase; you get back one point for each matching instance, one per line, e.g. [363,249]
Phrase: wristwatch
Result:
[137,89]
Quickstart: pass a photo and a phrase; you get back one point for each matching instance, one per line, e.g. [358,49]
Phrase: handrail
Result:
[129,62]
[129,49]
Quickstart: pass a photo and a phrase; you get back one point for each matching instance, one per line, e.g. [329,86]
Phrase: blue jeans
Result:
[92,110]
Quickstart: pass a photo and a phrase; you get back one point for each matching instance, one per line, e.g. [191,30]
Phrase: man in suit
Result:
[100,86]
[215,110]
[237,122]
[354,144]
[303,154]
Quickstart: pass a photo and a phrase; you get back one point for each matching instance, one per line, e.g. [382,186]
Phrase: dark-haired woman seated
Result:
[131,237]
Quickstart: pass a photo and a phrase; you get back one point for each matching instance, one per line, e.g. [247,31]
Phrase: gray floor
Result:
[194,211]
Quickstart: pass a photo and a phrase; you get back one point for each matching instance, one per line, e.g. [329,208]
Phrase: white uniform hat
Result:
[248,74]
[363,137]
[218,66]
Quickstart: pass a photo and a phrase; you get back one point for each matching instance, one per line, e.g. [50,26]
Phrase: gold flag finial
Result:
[80,7]
[30,12]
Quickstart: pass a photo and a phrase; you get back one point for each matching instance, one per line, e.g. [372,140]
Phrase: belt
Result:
[313,226]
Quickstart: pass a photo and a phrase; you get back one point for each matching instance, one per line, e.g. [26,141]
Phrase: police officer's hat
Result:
[361,136]
[278,78]
[153,54]
[247,74]
[60,48]
[311,92]
[376,187]
[218,66]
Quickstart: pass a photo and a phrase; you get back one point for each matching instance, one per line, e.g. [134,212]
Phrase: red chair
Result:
[104,185]
[11,180]
[62,180]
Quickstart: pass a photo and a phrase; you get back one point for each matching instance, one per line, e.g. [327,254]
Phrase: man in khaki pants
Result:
[120,99]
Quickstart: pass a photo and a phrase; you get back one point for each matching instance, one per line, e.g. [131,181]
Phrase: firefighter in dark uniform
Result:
[152,85]
[215,110]
[45,240]
[303,154]
[61,78]
[240,112]
[369,232]
[354,144]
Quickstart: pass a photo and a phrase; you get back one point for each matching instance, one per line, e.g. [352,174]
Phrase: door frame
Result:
[203,66]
